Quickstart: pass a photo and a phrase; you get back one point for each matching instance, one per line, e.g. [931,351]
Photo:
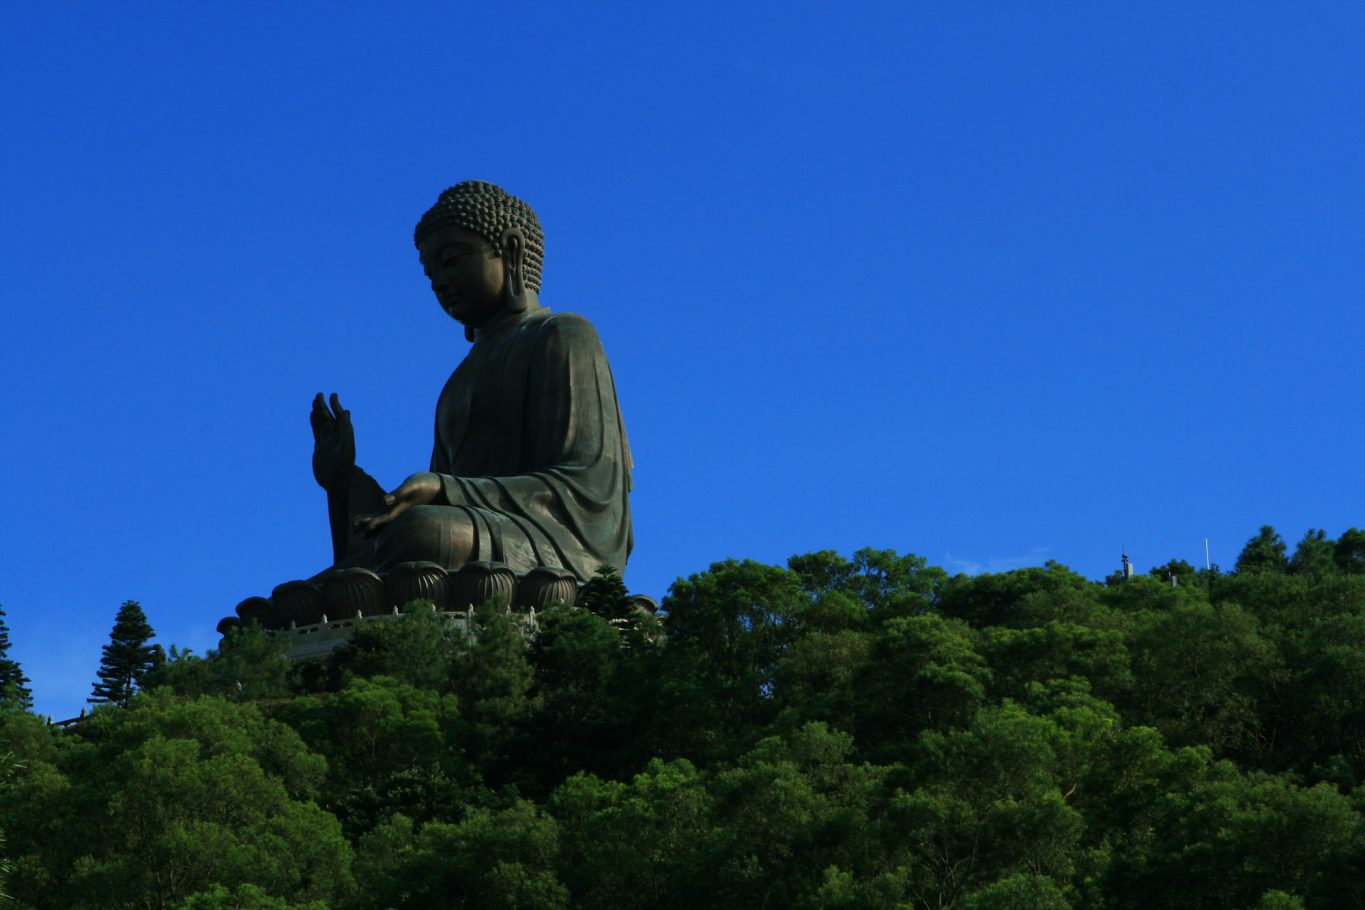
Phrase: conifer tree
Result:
[1350,552]
[13,683]
[1315,555]
[1264,553]
[127,658]
[605,594]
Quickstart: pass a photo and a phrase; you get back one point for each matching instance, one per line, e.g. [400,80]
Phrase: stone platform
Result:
[316,641]
[320,617]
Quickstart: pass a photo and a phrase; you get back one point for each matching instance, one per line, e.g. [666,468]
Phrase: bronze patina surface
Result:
[530,467]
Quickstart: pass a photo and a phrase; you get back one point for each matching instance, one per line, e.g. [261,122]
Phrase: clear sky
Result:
[994,283]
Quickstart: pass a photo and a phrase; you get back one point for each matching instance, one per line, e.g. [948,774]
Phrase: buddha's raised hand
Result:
[333,443]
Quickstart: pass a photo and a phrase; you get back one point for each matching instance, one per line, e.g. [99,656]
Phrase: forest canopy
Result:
[864,732]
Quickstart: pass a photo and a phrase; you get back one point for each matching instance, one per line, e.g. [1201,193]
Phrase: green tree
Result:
[727,630]
[419,650]
[1315,555]
[1023,597]
[250,664]
[390,748]
[491,859]
[1021,891]
[583,700]
[1267,832]
[646,843]
[1057,651]
[1178,569]
[127,658]
[1350,552]
[820,676]
[790,808]
[605,594]
[1202,673]
[244,897]
[151,805]
[492,676]
[882,581]
[13,683]
[923,673]
[8,766]
[983,804]
[1324,703]
[1264,553]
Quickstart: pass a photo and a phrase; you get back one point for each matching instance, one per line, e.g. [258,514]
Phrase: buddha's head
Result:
[482,249]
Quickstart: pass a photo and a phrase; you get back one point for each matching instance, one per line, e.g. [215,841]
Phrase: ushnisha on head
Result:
[492,213]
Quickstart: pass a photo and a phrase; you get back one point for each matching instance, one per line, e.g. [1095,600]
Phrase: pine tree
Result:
[1315,555]
[1350,552]
[605,594]
[127,658]
[1264,553]
[13,683]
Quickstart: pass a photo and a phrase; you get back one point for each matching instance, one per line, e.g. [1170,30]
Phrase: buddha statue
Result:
[530,466]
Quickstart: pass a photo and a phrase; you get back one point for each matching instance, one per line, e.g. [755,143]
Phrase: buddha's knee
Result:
[440,534]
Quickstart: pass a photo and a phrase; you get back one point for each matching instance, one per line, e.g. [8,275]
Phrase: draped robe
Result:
[531,451]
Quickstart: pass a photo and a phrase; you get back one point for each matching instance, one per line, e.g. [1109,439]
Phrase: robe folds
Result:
[530,446]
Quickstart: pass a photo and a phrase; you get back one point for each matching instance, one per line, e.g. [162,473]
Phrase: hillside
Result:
[838,733]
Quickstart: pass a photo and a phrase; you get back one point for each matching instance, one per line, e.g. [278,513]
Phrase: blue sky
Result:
[993,283]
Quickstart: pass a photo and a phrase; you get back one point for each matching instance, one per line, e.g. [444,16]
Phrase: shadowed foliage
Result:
[843,732]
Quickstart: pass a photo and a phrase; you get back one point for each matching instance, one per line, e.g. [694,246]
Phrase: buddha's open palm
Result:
[333,443]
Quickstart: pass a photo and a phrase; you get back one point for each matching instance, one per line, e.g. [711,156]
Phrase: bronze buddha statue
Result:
[530,465]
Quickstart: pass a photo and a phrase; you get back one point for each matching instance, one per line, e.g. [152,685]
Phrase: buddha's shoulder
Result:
[569,326]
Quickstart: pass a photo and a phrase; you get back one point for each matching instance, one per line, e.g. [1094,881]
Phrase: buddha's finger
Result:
[318,415]
[337,410]
[378,522]
[368,524]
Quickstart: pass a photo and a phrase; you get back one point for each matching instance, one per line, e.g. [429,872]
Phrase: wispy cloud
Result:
[1036,556]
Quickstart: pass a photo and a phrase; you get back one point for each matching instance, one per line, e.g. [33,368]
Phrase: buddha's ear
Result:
[513,245]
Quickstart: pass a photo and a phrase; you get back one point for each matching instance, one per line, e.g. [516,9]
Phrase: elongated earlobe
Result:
[514,254]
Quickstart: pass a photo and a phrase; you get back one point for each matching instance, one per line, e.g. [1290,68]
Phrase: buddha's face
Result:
[466,274]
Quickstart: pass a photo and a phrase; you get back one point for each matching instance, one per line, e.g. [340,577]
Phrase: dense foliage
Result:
[839,733]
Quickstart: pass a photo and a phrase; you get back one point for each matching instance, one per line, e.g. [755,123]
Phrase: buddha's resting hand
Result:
[333,443]
[418,490]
